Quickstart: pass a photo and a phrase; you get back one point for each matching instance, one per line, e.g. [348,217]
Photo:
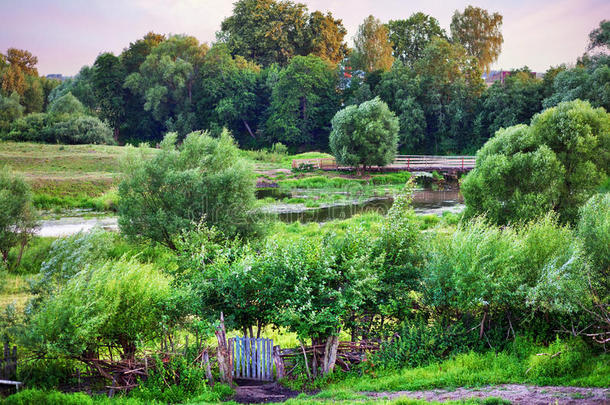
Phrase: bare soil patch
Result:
[262,394]
[515,393]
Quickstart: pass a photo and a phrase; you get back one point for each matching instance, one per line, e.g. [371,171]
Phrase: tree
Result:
[450,84]
[107,81]
[372,47]
[22,59]
[303,101]
[17,215]
[33,97]
[80,129]
[66,105]
[556,163]
[401,89]
[600,37]
[410,37]
[270,31]
[166,81]
[202,180]
[479,32]
[80,86]
[325,37]
[232,94]
[10,110]
[364,135]
[510,103]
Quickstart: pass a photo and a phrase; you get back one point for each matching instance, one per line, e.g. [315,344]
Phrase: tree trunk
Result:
[248,128]
[306,361]
[330,354]
[224,358]
[24,242]
[205,358]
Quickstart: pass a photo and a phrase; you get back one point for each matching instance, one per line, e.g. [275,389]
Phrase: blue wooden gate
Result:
[252,358]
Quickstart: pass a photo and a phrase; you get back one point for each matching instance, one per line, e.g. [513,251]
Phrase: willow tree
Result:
[372,47]
[479,32]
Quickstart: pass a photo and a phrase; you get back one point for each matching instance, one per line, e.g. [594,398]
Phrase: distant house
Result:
[57,76]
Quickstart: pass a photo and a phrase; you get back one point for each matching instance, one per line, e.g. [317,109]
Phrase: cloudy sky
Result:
[67,34]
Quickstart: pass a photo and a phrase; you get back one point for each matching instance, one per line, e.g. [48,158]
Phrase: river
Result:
[424,202]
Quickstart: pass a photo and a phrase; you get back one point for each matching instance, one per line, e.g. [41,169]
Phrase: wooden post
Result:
[279,363]
[208,371]
[224,359]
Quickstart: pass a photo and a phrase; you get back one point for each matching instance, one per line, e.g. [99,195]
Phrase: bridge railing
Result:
[408,162]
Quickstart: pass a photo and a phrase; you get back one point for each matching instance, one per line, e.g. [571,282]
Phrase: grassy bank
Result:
[66,176]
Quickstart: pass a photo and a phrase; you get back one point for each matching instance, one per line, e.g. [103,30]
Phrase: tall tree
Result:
[325,37]
[372,47]
[479,32]
[600,37]
[303,101]
[411,36]
[271,31]
[166,80]
[107,80]
[23,59]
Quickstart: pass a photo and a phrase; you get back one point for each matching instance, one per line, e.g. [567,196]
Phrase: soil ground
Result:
[516,393]
[262,394]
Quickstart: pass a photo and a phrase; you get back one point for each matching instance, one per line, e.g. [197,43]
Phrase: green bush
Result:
[46,373]
[557,163]
[36,252]
[563,358]
[120,303]
[173,382]
[38,397]
[66,105]
[32,128]
[391,178]
[204,179]
[81,130]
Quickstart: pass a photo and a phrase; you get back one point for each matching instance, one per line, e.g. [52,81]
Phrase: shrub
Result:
[39,397]
[173,382]
[81,130]
[32,128]
[203,179]
[119,303]
[561,359]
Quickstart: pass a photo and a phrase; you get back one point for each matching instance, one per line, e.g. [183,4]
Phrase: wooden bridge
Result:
[412,163]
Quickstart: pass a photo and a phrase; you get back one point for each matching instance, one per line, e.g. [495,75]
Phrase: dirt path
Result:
[517,394]
[262,394]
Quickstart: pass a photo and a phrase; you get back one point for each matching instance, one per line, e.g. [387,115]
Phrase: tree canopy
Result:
[479,32]
[372,46]
[410,37]
[364,135]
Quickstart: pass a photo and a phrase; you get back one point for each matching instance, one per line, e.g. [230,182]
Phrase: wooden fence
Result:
[251,358]
[401,162]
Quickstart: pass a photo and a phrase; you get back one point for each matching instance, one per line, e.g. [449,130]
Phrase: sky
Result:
[67,34]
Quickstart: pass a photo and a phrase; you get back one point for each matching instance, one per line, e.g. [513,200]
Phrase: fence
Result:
[404,162]
[251,358]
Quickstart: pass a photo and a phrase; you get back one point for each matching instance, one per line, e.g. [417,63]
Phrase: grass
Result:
[67,176]
[479,369]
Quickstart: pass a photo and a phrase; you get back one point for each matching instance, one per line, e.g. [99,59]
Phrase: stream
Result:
[424,202]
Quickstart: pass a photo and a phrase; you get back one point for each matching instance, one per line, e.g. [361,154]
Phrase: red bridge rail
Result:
[401,162]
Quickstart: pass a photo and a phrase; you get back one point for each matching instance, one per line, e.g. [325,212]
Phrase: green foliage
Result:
[410,37]
[173,382]
[117,303]
[66,105]
[594,230]
[203,179]
[364,135]
[560,359]
[271,31]
[555,164]
[303,101]
[10,110]
[39,397]
[32,128]
[17,215]
[81,130]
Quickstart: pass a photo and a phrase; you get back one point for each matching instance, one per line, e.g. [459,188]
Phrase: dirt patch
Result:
[515,393]
[261,394]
